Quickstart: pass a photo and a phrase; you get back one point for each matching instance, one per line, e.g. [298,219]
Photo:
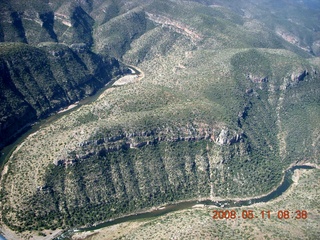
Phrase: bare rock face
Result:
[223,123]
[137,140]
[257,79]
[227,138]
[223,137]
[299,76]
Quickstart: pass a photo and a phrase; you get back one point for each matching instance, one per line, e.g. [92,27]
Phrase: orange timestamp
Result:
[250,214]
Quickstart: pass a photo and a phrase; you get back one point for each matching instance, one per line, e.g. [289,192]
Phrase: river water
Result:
[286,183]
[7,151]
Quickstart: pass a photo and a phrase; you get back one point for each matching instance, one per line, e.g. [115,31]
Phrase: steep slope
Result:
[36,21]
[197,222]
[37,81]
[128,151]
[111,26]
[229,100]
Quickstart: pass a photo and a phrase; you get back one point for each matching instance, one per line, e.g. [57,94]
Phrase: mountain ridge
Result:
[229,100]
[37,81]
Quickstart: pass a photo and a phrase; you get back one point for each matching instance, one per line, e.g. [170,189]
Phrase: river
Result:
[7,151]
[284,186]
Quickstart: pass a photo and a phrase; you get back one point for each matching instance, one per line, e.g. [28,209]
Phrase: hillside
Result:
[228,101]
[197,222]
[36,81]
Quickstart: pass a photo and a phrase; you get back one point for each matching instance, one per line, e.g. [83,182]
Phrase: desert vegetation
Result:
[227,103]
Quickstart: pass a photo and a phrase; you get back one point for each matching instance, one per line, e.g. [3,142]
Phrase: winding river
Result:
[286,183]
[8,150]
[284,186]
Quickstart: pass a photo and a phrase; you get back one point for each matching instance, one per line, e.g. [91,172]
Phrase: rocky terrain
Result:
[36,81]
[197,223]
[228,100]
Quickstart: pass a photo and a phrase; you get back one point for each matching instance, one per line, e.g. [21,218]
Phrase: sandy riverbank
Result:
[11,235]
[131,78]
[68,108]
[295,178]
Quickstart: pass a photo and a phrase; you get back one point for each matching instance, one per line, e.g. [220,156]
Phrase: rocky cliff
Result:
[36,81]
[139,145]
[229,100]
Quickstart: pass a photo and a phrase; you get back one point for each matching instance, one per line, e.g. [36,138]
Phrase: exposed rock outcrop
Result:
[299,76]
[226,138]
[257,79]
[138,140]
[176,26]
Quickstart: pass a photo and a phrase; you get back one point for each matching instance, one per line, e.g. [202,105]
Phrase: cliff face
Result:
[110,183]
[226,103]
[139,145]
[38,22]
[36,81]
